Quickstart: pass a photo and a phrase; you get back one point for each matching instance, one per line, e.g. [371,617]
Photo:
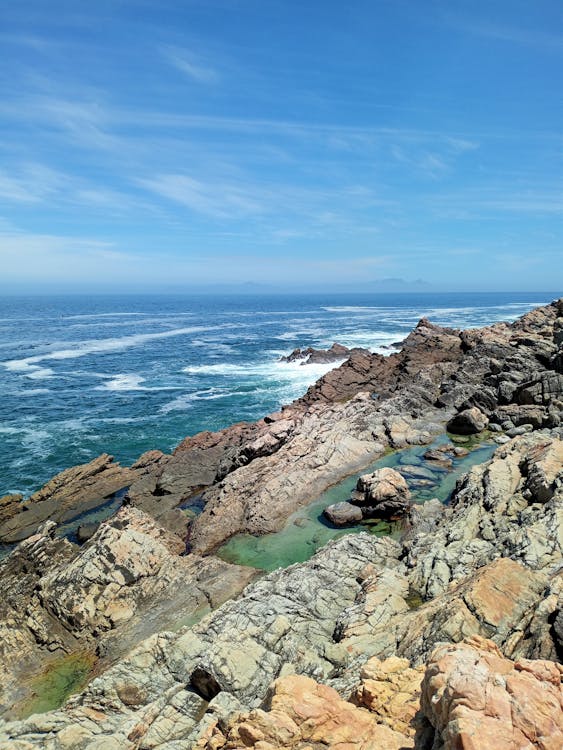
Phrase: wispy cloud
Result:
[189,64]
[31,184]
[218,199]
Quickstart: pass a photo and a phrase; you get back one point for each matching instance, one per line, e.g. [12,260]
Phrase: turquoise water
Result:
[307,530]
[124,374]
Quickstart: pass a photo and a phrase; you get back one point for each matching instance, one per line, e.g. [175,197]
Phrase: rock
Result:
[468,422]
[86,531]
[63,498]
[304,714]
[310,356]
[474,697]
[129,580]
[439,457]
[382,494]
[390,689]
[515,431]
[343,514]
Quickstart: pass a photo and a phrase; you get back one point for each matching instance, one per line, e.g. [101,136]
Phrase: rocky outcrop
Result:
[487,566]
[66,496]
[130,580]
[310,356]
[511,506]
[303,714]
[475,698]
[349,417]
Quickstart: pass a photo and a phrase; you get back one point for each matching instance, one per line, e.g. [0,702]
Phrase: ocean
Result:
[82,375]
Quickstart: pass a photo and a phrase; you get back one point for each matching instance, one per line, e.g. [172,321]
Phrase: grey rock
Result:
[343,514]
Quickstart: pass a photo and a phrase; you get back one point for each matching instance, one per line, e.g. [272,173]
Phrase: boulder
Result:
[468,422]
[382,494]
[343,514]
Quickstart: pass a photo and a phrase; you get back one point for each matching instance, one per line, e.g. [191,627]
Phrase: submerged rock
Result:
[343,514]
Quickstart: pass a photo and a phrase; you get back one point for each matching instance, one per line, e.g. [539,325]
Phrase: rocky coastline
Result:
[447,635]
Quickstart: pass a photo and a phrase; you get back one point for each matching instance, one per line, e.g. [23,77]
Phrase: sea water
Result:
[123,374]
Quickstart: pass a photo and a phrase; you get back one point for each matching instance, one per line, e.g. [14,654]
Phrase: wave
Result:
[28,365]
[185,401]
[132,382]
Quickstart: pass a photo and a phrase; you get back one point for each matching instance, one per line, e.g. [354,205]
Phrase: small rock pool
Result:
[307,530]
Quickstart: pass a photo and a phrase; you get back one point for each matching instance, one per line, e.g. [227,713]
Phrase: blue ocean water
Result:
[124,374]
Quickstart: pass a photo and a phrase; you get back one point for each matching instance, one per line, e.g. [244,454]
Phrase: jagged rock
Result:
[382,494]
[66,496]
[127,582]
[310,356]
[488,565]
[474,697]
[468,422]
[343,514]
[303,714]
[494,511]
[391,690]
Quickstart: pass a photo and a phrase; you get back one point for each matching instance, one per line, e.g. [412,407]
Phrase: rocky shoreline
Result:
[347,649]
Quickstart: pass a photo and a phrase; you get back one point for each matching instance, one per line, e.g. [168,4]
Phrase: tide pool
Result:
[307,530]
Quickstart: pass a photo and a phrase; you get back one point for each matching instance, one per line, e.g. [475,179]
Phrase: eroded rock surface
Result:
[487,566]
[129,581]
[66,496]
[476,698]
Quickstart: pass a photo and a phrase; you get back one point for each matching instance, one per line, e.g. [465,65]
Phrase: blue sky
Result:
[151,144]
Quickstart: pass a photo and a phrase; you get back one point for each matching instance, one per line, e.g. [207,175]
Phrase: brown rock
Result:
[468,422]
[476,699]
[304,714]
[64,497]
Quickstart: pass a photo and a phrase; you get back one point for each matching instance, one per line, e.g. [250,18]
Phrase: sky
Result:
[153,145]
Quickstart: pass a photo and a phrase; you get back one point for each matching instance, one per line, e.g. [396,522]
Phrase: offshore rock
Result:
[310,356]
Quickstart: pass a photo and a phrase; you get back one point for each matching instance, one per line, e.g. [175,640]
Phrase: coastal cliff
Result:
[376,641]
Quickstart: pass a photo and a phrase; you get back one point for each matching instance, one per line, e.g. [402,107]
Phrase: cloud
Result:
[216,199]
[190,65]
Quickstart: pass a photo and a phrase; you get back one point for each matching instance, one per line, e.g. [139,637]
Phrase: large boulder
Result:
[468,422]
[382,494]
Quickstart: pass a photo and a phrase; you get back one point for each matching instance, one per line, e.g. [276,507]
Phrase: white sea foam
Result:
[28,365]
[123,382]
[186,400]
[131,382]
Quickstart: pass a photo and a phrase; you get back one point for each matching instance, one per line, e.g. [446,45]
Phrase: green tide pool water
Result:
[307,530]
[57,682]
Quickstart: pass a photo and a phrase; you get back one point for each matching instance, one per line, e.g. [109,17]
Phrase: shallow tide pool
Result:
[307,530]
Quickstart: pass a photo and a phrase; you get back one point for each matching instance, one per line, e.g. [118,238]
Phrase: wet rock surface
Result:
[66,496]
